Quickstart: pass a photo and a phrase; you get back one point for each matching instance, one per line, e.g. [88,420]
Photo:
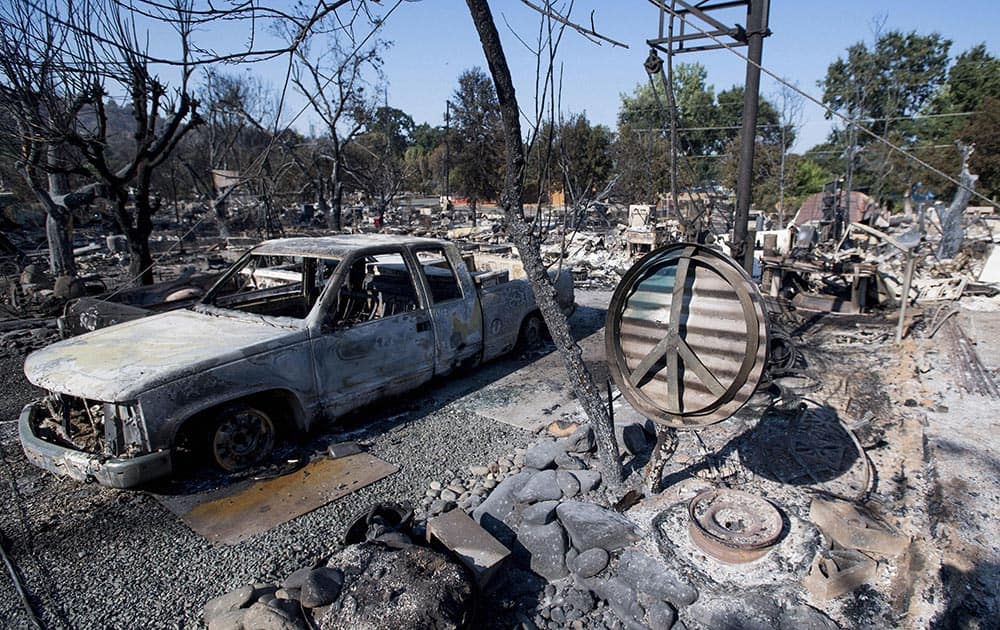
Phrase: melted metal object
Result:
[733,526]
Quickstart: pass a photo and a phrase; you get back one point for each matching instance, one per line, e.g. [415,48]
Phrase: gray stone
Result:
[558,615]
[321,587]
[435,485]
[437,506]
[233,600]
[803,617]
[232,620]
[541,513]
[297,578]
[449,495]
[589,479]
[590,562]
[653,578]
[591,526]
[582,440]
[541,487]
[494,512]
[546,545]
[543,455]
[635,438]
[569,462]
[578,600]
[263,617]
[661,616]
[479,471]
[568,483]
[471,502]
[621,598]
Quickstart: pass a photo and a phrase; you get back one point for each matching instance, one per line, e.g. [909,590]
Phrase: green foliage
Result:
[896,77]
[984,130]
[708,126]
[477,130]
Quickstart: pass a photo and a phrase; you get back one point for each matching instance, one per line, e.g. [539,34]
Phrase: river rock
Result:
[264,617]
[542,455]
[591,526]
[650,576]
[582,440]
[496,510]
[621,598]
[321,587]
[566,461]
[589,479]
[568,483]
[542,486]
[233,600]
[541,513]
[590,562]
[661,616]
[546,545]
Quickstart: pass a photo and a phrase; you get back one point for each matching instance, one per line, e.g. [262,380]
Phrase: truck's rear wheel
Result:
[533,332]
[243,436]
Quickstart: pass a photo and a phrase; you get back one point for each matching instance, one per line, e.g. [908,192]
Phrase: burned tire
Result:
[533,332]
[242,436]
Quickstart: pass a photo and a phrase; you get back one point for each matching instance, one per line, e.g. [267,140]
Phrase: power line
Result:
[832,112]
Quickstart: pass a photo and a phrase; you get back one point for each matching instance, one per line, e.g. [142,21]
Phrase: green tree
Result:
[883,87]
[983,129]
[477,153]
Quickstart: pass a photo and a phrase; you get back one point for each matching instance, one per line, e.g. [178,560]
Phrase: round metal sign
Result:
[686,336]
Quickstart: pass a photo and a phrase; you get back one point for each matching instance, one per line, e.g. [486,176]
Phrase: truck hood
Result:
[117,363]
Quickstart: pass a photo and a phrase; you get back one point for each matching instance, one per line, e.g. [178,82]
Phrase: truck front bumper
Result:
[81,466]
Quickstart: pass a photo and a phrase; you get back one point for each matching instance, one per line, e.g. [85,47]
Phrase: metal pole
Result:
[447,153]
[905,297]
[756,12]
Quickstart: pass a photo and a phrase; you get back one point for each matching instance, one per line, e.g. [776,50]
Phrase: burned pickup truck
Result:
[297,330]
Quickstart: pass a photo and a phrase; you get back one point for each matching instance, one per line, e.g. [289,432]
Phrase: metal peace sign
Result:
[686,336]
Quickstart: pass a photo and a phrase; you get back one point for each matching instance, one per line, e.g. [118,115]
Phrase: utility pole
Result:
[447,153]
[693,37]
[757,11]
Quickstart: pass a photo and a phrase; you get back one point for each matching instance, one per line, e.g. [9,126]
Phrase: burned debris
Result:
[667,376]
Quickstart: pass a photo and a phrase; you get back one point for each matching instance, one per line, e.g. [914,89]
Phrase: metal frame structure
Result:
[752,35]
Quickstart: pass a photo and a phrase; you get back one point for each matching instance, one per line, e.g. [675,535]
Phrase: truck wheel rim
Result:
[242,439]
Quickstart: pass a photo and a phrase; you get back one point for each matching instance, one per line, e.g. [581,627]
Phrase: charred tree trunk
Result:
[952,231]
[582,381]
[58,220]
[335,217]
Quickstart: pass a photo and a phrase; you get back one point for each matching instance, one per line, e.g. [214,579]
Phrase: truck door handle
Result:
[423,325]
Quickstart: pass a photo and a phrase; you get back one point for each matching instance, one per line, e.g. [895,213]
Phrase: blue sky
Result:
[434,41]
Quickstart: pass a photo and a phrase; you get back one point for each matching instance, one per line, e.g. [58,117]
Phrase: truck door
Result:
[455,310]
[376,338]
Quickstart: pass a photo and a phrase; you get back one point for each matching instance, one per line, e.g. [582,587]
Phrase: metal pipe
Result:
[904,299]
[756,11]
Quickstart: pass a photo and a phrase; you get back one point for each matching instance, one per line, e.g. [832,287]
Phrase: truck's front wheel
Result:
[533,332]
[243,436]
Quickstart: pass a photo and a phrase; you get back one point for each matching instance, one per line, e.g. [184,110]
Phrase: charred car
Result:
[297,330]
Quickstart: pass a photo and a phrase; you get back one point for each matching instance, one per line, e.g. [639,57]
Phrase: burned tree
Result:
[331,70]
[952,230]
[38,113]
[528,245]
[98,53]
